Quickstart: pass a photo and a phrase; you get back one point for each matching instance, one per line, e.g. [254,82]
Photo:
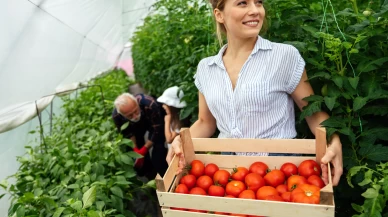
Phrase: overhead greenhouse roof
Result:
[50,46]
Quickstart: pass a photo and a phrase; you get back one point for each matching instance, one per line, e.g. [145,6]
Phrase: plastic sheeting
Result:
[53,45]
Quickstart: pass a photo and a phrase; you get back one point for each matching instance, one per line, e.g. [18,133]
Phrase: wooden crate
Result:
[315,147]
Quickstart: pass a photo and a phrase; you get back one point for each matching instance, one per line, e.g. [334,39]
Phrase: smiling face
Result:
[241,18]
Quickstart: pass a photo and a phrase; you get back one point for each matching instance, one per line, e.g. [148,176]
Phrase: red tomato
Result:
[265,191]
[316,180]
[221,177]
[289,169]
[217,191]
[294,181]
[182,189]
[197,168]
[274,178]
[239,173]
[274,197]
[189,180]
[282,188]
[306,194]
[210,169]
[254,181]
[286,196]
[198,191]
[259,168]
[235,188]
[308,168]
[204,182]
[247,194]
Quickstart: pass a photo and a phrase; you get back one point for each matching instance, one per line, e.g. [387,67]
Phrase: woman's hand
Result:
[176,149]
[333,155]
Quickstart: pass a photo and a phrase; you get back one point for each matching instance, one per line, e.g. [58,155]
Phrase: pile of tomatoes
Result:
[289,183]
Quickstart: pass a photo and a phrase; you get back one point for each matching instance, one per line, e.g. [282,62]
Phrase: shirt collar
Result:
[261,44]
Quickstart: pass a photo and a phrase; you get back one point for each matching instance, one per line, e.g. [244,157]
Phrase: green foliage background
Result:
[82,168]
[345,46]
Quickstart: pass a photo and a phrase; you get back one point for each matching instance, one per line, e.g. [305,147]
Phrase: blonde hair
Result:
[220,28]
[123,100]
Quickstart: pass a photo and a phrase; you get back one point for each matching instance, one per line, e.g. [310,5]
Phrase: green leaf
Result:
[372,206]
[49,203]
[358,208]
[334,122]
[89,197]
[38,192]
[313,98]
[127,142]
[59,211]
[117,191]
[151,184]
[124,126]
[324,75]
[354,82]
[352,172]
[123,183]
[367,178]
[338,81]
[359,102]
[69,163]
[88,167]
[368,66]
[347,45]
[100,205]
[310,109]
[73,186]
[77,205]
[20,212]
[1,196]
[133,154]
[93,213]
[125,159]
[370,193]
[117,203]
[330,102]
[353,50]
[373,152]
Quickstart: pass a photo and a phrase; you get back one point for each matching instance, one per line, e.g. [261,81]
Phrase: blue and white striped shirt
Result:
[260,106]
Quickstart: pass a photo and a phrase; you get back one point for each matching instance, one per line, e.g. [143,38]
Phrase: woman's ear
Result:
[218,15]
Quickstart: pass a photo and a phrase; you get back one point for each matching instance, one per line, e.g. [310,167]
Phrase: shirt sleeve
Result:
[197,76]
[156,130]
[296,69]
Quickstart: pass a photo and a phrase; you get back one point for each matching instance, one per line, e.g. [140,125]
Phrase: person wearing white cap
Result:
[172,103]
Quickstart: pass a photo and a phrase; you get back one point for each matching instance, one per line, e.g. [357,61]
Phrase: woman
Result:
[249,88]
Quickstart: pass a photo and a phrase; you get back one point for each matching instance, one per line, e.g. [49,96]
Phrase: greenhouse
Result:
[194,108]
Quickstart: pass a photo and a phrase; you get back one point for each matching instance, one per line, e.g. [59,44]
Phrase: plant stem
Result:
[355,8]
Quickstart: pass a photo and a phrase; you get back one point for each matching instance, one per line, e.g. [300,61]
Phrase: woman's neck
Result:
[237,46]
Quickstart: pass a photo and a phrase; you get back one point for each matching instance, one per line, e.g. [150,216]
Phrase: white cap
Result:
[170,97]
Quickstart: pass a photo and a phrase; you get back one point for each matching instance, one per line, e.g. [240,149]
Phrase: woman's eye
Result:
[259,2]
[242,3]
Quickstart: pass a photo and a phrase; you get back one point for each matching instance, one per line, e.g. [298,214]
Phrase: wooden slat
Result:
[167,212]
[169,176]
[231,161]
[187,145]
[320,144]
[243,206]
[302,146]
